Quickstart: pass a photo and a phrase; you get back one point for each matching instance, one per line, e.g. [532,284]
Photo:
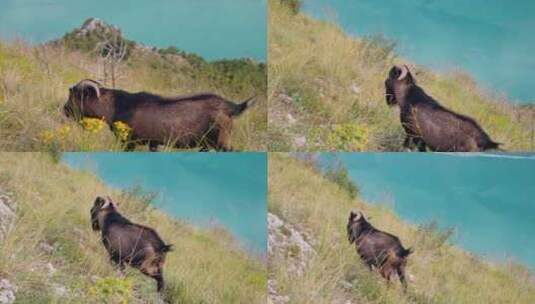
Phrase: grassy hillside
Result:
[52,246]
[326,91]
[34,82]
[438,271]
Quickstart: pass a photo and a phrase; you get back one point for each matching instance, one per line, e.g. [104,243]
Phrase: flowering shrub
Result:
[93,125]
[122,130]
[112,290]
[60,133]
[348,137]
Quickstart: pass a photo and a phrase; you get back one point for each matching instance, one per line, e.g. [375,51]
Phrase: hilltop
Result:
[34,82]
[326,90]
[311,260]
[49,253]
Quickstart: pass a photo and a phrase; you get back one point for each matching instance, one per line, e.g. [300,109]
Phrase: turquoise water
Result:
[214,29]
[488,199]
[493,40]
[229,189]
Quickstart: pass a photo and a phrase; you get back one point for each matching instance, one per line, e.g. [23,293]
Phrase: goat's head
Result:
[100,206]
[356,224]
[399,78]
[85,100]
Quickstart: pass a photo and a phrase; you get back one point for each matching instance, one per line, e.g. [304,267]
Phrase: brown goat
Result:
[189,121]
[429,124]
[377,248]
[128,243]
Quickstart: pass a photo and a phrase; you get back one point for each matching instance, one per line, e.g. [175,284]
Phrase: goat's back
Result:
[376,246]
[443,129]
[132,243]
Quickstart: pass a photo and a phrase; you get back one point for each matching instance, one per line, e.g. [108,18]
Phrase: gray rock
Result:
[46,247]
[300,141]
[7,292]
[51,269]
[60,291]
[291,119]
[286,98]
[356,89]
[286,242]
[7,215]
[273,296]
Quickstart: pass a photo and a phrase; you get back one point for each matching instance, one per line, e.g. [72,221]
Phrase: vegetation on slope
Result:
[438,271]
[53,256]
[326,91]
[34,82]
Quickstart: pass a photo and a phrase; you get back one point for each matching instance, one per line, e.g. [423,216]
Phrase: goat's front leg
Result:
[407,143]
[420,144]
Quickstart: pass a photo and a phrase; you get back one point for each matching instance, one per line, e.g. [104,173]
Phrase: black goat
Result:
[188,121]
[377,248]
[429,124]
[128,243]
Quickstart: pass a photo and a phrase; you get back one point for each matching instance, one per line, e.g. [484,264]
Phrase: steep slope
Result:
[318,210]
[34,82]
[326,91]
[51,255]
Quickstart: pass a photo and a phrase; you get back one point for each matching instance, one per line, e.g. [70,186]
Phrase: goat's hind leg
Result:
[407,143]
[153,146]
[401,275]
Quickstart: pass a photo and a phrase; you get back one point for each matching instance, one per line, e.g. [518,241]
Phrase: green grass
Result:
[335,85]
[441,272]
[206,266]
[34,82]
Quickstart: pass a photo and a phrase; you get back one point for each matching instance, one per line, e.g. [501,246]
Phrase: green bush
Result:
[348,137]
[112,290]
[294,5]
[338,174]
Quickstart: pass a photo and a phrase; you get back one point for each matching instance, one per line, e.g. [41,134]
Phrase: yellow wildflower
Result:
[93,125]
[63,131]
[47,136]
[122,130]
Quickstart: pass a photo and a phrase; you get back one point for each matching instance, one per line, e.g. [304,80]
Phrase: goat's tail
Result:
[492,145]
[241,107]
[167,248]
[406,252]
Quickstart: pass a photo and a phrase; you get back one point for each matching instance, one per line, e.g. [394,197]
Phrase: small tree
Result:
[338,174]
[112,50]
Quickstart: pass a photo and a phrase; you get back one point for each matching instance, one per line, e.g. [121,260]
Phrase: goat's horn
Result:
[404,72]
[89,83]
[359,215]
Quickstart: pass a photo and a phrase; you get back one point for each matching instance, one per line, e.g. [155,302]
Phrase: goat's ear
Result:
[394,72]
[99,202]
[350,233]
[94,218]
[94,224]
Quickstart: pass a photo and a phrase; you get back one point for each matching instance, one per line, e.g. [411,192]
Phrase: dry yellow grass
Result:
[333,87]
[34,82]
[206,266]
[440,272]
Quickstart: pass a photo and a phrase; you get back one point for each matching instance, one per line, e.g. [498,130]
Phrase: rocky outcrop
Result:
[7,214]
[288,246]
[96,25]
[288,243]
[7,292]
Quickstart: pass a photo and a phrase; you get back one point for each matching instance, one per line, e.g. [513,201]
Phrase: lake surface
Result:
[214,29]
[488,199]
[493,40]
[229,189]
